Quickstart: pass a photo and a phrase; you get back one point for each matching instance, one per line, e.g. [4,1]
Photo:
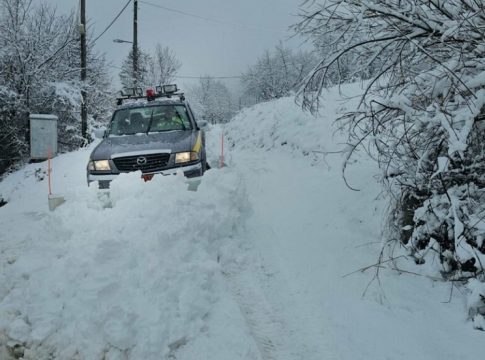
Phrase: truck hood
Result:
[172,141]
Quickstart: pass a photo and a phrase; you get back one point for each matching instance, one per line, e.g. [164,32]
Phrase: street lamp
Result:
[135,58]
[134,42]
[119,41]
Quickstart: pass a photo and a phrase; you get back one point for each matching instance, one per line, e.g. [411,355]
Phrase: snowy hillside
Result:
[251,266]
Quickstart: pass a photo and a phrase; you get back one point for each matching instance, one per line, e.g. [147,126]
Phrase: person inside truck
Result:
[168,120]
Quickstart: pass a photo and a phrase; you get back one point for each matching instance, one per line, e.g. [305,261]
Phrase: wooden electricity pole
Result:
[84,112]
[135,43]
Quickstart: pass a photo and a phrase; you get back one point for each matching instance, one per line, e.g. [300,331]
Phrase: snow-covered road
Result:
[306,232]
[251,266]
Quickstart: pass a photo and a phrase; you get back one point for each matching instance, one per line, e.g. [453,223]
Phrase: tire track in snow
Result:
[285,323]
[265,327]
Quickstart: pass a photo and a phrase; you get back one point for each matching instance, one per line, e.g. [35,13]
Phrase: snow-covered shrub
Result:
[12,129]
[476,303]
[421,116]
[212,101]
[277,73]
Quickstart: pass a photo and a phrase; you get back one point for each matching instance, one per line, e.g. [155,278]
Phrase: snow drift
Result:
[128,273]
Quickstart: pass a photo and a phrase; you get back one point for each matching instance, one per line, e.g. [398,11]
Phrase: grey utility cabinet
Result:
[43,136]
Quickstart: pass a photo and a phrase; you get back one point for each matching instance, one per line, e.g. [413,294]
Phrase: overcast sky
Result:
[240,31]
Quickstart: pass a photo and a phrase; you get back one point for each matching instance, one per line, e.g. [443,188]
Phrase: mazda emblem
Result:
[141,160]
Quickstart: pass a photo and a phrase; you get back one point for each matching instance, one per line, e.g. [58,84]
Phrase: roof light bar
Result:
[169,89]
[138,91]
[151,94]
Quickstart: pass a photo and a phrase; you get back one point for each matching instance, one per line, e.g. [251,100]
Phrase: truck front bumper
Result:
[189,171]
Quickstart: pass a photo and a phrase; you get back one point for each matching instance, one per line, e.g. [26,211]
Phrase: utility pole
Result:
[135,43]
[84,112]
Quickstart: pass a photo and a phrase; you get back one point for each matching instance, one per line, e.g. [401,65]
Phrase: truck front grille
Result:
[145,163]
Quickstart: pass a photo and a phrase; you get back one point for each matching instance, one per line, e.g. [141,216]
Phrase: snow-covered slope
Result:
[308,231]
[251,266]
[281,124]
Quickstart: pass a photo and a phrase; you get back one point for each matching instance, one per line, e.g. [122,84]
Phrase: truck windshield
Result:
[148,119]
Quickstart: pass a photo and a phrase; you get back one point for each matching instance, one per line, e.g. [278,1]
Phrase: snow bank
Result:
[131,273]
[282,124]
[310,234]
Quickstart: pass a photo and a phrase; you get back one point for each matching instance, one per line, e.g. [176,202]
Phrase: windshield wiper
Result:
[165,130]
[150,123]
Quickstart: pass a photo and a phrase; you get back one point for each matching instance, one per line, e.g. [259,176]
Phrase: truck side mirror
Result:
[202,123]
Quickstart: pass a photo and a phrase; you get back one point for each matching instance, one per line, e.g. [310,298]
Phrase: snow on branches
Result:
[277,73]
[39,72]
[212,101]
[158,67]
[422,112]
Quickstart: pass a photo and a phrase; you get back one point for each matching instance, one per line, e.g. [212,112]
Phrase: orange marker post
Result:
[49,169]
[221,164]
[54,201]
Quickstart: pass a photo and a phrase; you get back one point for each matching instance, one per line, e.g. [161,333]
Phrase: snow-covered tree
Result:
[39,73]
[422,111]
[163,66]
[126,75]
[277,73]
[154,69]
[212,101]
[12,129]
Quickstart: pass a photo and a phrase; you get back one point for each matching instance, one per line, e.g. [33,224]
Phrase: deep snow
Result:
[251,266]
[130,272]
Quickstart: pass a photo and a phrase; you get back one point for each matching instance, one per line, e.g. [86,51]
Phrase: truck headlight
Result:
[99,165]
[187,156]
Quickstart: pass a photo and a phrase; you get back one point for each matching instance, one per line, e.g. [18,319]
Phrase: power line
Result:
[112,22]
[194,77]
[207,77]
[180,12]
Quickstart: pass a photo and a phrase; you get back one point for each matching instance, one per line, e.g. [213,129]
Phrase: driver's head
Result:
[169,112]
